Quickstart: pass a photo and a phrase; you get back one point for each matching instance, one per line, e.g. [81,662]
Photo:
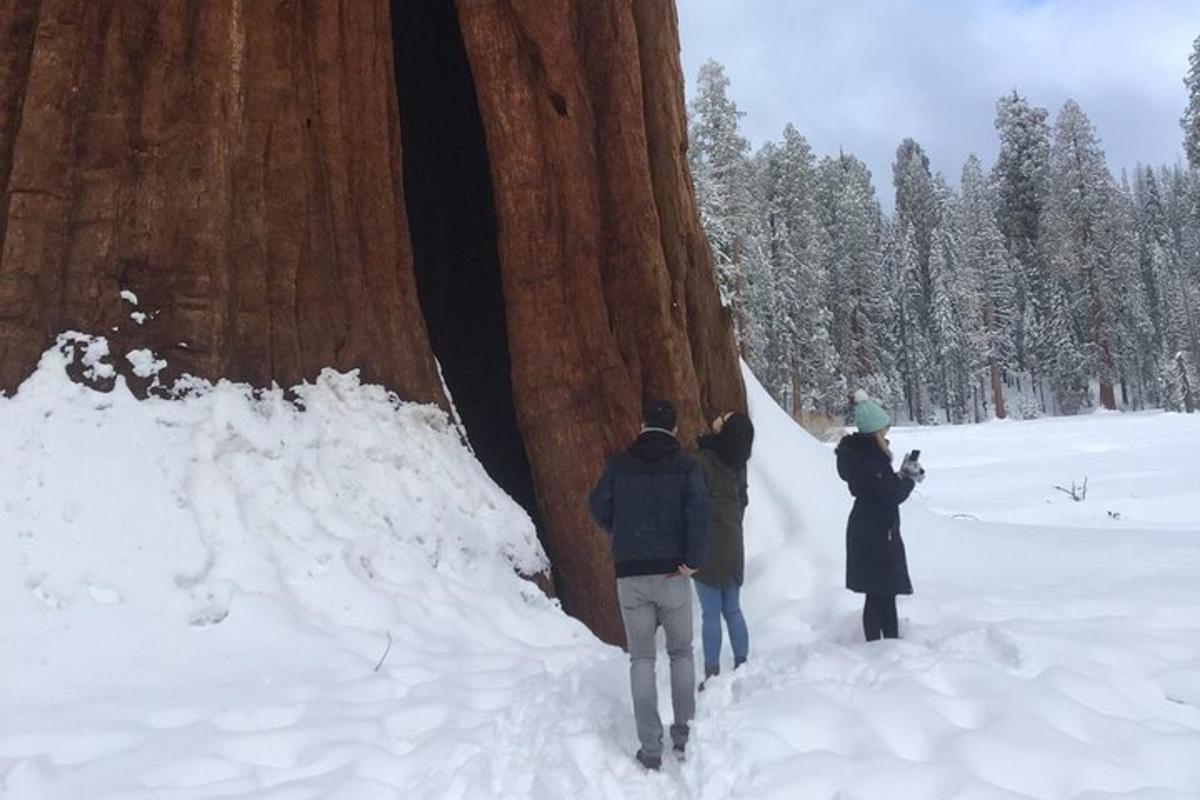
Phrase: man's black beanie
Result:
[659,414]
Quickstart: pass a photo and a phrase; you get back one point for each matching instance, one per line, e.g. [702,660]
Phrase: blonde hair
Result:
[881,439]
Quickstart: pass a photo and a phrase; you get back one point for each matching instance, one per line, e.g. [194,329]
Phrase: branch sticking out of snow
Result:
[1076,493]
[386,650]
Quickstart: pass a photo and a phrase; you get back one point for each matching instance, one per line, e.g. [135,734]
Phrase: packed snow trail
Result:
[196,594]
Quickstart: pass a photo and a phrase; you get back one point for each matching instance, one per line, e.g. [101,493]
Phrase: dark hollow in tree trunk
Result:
[448,188]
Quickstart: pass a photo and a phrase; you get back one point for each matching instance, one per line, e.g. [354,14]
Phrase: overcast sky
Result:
[864,74]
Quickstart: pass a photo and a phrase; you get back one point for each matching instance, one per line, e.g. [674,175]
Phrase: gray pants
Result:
[648,601]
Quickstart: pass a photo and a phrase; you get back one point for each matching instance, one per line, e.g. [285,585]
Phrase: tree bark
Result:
[609,290]
[989,325]
[997,390]
[234,164]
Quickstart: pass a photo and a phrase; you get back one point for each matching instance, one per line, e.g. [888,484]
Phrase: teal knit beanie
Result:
[869,416]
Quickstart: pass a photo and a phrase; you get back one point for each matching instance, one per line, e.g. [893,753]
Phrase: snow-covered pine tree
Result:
[1134,346]
[851,219]
[1191,115]
[809,357]
[1081,247]
[760,325]
[1182,321]
[1181,301]
[1021,178]
[915,320]
[917,206]
[918,215]
[949,294]
[722,174]
[761,239]
[1061,358]
[983,256]
[1154,238]
[887,383]
[1183,219]
[1168,233]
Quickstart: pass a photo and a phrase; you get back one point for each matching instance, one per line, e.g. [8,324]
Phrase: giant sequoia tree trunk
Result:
[235,164]
[238,165]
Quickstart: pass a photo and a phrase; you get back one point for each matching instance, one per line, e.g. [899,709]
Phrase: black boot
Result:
[709,672]
[649,762]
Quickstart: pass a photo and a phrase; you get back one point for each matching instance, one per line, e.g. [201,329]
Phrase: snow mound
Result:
[208,583]
[194,505]
[795,523]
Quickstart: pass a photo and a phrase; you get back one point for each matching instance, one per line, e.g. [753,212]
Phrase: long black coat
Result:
[875,559]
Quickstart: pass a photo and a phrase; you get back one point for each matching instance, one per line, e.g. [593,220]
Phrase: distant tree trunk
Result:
[1108,396]
[989,324]
[946,395]
[997,390]
[1189,403]
[911,390]
[796,393]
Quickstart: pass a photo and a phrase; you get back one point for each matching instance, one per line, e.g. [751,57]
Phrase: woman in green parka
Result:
[724,454]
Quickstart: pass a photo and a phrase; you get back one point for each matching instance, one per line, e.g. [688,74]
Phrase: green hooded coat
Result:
[726,551]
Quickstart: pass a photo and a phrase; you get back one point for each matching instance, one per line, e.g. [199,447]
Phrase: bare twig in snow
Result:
[387,650]
[1076,493]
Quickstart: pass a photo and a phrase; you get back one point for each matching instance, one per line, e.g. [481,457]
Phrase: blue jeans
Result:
[716,602]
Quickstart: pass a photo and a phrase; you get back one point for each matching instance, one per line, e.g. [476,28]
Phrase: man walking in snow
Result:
[652,500]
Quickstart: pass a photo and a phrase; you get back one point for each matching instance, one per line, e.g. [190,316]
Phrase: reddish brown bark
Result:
[997,390]
[235,164]
[609,288]
[989,325]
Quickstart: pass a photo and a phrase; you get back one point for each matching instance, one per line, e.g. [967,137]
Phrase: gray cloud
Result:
[864,74]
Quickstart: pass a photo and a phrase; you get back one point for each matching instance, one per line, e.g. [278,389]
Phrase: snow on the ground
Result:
[196,594]
[1136,466]
[1038,661]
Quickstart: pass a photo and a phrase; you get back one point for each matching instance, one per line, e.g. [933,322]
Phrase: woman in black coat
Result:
[876,565]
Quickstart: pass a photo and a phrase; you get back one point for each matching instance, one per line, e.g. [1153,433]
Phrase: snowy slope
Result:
[196,595]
